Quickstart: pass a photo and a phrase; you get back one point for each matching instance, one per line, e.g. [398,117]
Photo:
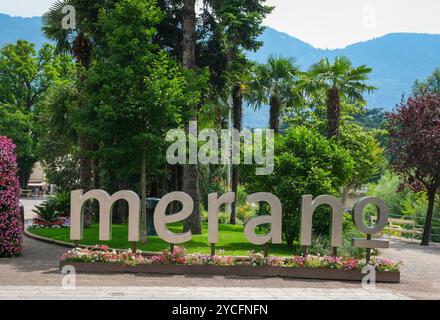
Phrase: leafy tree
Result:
[57,145]
[341,82]
[135,93]
[223,31]
[17,125]
[305,163]
[273,83]
[366,152]
[237,25]
[369,119]
[414,143]
[79,43]
[432,84]
[25,78]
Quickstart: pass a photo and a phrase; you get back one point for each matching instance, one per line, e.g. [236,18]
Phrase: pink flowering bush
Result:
[206,259]
[93,255]
[341,263]
[179,256]
[385,264]
[11,228]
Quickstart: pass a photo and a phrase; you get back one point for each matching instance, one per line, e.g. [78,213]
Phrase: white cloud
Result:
[338,23]
[25,8]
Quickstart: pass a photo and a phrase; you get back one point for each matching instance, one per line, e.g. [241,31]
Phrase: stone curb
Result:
[71,245]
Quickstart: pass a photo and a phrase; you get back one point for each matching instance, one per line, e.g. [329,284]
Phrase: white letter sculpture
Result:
[161,219]
[105,210]
[214,204]
[381,222]
[274,219]
[308,207]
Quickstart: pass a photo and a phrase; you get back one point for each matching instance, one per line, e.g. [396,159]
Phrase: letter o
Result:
[382,215]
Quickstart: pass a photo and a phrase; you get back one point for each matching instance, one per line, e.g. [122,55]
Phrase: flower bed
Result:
[62,222]
[102,259]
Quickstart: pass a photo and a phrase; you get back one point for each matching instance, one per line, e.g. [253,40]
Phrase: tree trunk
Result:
[82,49]
[95,169]
[237,114]
[191,187]
[333,113]
[190,171]
[428,222]
[275,113]
[189,34]
[85,178]
[143,200]
[24,176]
[121,211]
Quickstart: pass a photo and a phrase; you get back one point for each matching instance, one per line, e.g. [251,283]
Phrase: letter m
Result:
[106,202]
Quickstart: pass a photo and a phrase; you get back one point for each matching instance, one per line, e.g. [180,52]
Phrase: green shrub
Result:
[61,202]
[47,212]
[246,212]
[305,163]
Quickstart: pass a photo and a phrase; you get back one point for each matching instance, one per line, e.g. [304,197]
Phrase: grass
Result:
[231,240]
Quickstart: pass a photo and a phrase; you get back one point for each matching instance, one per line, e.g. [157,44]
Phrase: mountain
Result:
[397,59]
[15,28]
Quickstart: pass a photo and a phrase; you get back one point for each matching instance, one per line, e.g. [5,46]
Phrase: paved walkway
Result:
[38,267]
[29,205]
[192,293]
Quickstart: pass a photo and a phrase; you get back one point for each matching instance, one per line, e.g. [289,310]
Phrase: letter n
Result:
[308,207]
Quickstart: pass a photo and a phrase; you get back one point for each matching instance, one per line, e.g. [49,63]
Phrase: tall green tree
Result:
[239,26]
[431,84]
[57,147]
[25,78]
[190,171]
[135,93]
[273,83]
[305,163]
[342,82]
[77,42]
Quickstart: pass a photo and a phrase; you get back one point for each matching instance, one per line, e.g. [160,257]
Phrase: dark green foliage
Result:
[305,163]
[47,212]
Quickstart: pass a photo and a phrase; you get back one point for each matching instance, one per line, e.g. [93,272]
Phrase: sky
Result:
[321,23]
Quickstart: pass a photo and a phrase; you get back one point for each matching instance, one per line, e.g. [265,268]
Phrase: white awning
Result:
[36,184]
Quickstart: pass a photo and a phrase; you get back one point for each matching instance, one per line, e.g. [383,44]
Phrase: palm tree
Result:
[239,75]
[341,81]
[78,43]
[273,83]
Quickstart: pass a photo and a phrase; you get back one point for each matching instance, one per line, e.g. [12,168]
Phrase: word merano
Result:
[161,219]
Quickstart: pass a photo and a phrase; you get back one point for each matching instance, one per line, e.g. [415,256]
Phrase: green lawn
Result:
[231,240]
